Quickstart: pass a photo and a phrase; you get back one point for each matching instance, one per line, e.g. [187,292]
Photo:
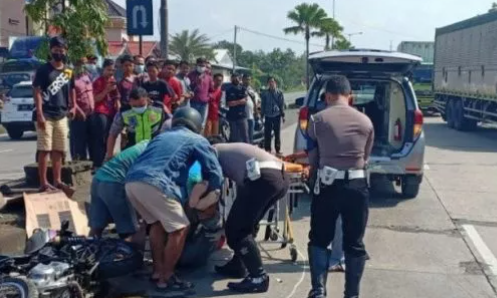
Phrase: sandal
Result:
[175,284]
[69,191]
[47,188]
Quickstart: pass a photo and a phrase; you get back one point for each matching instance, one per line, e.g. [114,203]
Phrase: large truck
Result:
[465,71]
[422,76]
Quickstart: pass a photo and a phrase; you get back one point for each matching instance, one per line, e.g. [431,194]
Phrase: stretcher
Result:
[297,174]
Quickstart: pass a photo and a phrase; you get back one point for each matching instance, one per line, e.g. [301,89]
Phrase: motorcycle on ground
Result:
[61,265]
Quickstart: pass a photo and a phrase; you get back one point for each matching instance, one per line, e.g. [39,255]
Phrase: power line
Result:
[382,29]
[221,33]
[278,38]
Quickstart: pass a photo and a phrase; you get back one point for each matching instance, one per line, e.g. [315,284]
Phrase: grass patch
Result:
[2,130]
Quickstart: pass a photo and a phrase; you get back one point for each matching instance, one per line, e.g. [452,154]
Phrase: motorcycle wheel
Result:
[121,261]
[17,287]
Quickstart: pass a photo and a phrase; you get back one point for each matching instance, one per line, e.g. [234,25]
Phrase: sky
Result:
[383,23]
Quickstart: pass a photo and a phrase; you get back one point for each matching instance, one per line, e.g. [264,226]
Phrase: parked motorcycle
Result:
[61,265]
[224,128]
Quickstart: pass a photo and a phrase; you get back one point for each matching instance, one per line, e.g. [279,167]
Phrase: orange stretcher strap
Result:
[293,167]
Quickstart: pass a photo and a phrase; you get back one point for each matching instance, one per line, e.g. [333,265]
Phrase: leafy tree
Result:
[191,45]
[307,18]
[343,44]
[81,23]
[328,29]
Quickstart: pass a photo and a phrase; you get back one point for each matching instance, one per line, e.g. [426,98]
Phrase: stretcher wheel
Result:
[274,235]
[283,245]
[293,254]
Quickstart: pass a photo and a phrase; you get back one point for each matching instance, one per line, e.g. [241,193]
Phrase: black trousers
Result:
[272,124]
[100,126]
[253,200]
[350,199]
[239,131]
[80,139]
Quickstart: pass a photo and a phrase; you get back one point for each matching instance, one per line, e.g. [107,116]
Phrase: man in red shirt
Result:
[212,127]
[107,103]
[169,75]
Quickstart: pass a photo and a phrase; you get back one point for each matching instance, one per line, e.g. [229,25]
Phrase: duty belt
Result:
[352,174]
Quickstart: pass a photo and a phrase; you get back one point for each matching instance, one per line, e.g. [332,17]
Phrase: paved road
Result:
[441,244]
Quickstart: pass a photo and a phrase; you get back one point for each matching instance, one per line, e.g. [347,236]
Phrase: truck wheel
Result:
[449,113]
[462,123]
[15,133]
[410,186]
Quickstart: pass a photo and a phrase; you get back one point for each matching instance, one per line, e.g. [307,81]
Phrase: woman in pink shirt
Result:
[80,125]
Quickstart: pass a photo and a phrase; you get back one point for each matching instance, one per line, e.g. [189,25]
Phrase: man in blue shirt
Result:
[156,184]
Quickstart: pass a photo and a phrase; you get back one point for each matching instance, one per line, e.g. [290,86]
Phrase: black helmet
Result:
[189,118]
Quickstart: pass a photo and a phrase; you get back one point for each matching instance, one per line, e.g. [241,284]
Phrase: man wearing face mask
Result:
[235,97]
[202,85]
[92,67]
[139,63]
[55,99]
[141,122]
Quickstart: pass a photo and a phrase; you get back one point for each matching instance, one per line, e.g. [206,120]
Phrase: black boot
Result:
[233,269]
[251,284]
[353,275]
[318,262]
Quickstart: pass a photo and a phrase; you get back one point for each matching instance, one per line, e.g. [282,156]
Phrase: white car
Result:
[17,112]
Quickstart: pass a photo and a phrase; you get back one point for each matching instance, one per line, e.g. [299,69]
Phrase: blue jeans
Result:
[251,125]
[202,109]
[110,204]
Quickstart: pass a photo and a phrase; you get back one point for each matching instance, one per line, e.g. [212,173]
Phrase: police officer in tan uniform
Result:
[340,140]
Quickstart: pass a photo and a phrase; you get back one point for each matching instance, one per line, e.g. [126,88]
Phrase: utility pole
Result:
[164,33]
[391,45]
[333,37]
[234,50]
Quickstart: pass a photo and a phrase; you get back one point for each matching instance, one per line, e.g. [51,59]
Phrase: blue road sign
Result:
[140,17]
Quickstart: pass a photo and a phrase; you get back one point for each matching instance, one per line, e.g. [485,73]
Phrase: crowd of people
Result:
[167,172]
[173,165]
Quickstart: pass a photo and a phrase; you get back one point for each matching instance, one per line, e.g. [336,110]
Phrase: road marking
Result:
[301,280]
[485,252]
[427,167]
[5,151]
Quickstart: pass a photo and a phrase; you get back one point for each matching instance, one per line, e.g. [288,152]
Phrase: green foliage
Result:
[306,17]
[191,45]
[343,44]
[82,23]
[286,66]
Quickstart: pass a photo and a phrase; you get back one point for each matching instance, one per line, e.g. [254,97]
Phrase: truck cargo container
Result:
[465,72]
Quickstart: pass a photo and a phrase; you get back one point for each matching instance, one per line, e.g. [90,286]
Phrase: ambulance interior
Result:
[383,101]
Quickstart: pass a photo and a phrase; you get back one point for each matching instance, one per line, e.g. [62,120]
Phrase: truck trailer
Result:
[465,72]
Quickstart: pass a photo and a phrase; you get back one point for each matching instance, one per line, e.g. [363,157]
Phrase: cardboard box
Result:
[49,209]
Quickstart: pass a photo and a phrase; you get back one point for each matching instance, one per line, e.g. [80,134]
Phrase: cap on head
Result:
[338,85]
[189,118]
[58,41]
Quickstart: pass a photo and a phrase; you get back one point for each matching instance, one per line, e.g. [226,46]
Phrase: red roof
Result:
[148,47]
[115,48]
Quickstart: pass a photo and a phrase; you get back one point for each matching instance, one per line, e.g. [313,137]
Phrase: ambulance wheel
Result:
[294,254]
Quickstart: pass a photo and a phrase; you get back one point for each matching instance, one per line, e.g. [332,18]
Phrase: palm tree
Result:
[307,17]
[329,28]
[190,45]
